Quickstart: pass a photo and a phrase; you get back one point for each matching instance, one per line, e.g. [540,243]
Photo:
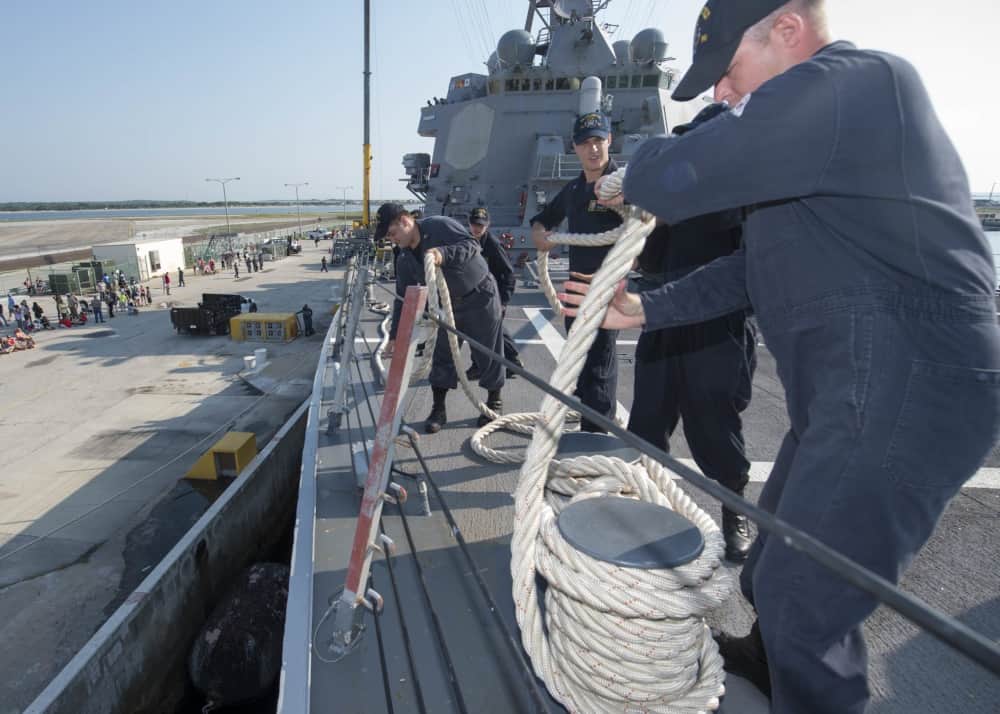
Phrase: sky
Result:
[118,100]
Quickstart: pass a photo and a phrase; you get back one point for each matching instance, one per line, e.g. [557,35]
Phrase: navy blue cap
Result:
[591,124]
[479,216]
[717,34]
[387,213]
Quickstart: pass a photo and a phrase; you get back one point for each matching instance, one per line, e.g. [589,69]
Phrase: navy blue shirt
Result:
[499,265]
[855,193]
[462,262]
[577,203]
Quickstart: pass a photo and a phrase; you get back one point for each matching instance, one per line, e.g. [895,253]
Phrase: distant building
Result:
[144,259]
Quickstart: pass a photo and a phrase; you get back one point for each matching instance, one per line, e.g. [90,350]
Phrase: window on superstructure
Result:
[562,83]
[651,80]
[550,84]
[636,81]
[525,85]
[611,82]
[510,85]
[536,85]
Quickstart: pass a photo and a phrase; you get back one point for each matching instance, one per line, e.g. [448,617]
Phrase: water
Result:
[284,209]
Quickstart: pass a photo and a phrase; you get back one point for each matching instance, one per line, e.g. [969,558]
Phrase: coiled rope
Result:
[610,639]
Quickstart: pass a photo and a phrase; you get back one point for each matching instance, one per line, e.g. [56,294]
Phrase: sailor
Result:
[576,203]
[703,372]
[307,318]
[473,295]
[503,273]
[872,284]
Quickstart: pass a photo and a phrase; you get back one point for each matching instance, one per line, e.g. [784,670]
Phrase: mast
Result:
[367,150]
[530,17]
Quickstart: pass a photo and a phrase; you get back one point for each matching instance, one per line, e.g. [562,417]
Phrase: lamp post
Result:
[225,201]
[345,189]
[297,211]
[990,199]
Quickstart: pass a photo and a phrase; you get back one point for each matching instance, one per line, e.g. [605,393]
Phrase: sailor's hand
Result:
[435,254]
[608,190]
[539,236]
[625,310]
[390,348]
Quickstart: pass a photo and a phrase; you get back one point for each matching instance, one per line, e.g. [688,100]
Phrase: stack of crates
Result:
[264,327]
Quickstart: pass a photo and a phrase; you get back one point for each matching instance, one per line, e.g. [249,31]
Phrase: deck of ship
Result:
[436,647]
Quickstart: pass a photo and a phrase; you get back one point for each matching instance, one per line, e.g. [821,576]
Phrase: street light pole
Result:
[345,189]
[990,199]
[225,201]
[297,211]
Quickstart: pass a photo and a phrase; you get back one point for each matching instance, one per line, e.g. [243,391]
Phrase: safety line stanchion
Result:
[377,486]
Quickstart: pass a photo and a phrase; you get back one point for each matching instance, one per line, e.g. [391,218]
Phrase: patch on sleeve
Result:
[741,105]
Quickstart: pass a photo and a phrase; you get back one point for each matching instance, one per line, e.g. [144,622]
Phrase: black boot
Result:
[746,657]
[736,531]
[494,402]
[438,416]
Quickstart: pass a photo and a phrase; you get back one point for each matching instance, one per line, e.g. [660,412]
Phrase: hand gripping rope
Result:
[611,639]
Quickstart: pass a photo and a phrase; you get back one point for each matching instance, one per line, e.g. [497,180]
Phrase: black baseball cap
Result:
[479,216]
[591,124]
[717,34]
[387,213]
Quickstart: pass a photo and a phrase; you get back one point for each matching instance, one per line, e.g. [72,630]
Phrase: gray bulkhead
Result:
[502,140]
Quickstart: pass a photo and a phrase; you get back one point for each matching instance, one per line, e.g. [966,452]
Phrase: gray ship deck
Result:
[403,665]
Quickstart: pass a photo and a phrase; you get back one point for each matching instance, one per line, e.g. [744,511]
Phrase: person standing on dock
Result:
[322,265]
[473,293]
[872,284]
[180,277]
[97,309]
[576,203]
[166,283]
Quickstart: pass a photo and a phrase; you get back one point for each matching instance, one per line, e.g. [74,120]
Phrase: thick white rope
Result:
[611,639]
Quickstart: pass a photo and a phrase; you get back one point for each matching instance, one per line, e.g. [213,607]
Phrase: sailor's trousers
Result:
[893,404]
[478,315]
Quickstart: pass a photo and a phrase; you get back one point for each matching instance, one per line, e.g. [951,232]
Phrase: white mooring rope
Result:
[611,639]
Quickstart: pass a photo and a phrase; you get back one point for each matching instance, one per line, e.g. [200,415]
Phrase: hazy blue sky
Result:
[112,100]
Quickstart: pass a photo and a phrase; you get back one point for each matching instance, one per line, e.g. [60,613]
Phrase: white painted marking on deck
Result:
[554,342]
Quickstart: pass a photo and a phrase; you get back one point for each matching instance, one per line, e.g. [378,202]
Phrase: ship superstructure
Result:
[502,139]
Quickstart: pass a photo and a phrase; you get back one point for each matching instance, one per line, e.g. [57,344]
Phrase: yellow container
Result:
[228,457]
[264,327]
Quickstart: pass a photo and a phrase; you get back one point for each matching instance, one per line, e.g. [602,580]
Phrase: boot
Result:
[736,531]
[746,657]
[494,402]
[438,416]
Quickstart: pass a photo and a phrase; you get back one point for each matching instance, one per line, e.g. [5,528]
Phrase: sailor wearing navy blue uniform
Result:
[703,372]
[473,294]
[872,284]
[503,273]
[577,204]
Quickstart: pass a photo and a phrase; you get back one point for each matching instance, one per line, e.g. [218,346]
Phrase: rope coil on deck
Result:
[610,639]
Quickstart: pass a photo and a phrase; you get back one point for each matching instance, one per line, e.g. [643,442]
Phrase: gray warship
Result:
[436,628]
[502,139]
